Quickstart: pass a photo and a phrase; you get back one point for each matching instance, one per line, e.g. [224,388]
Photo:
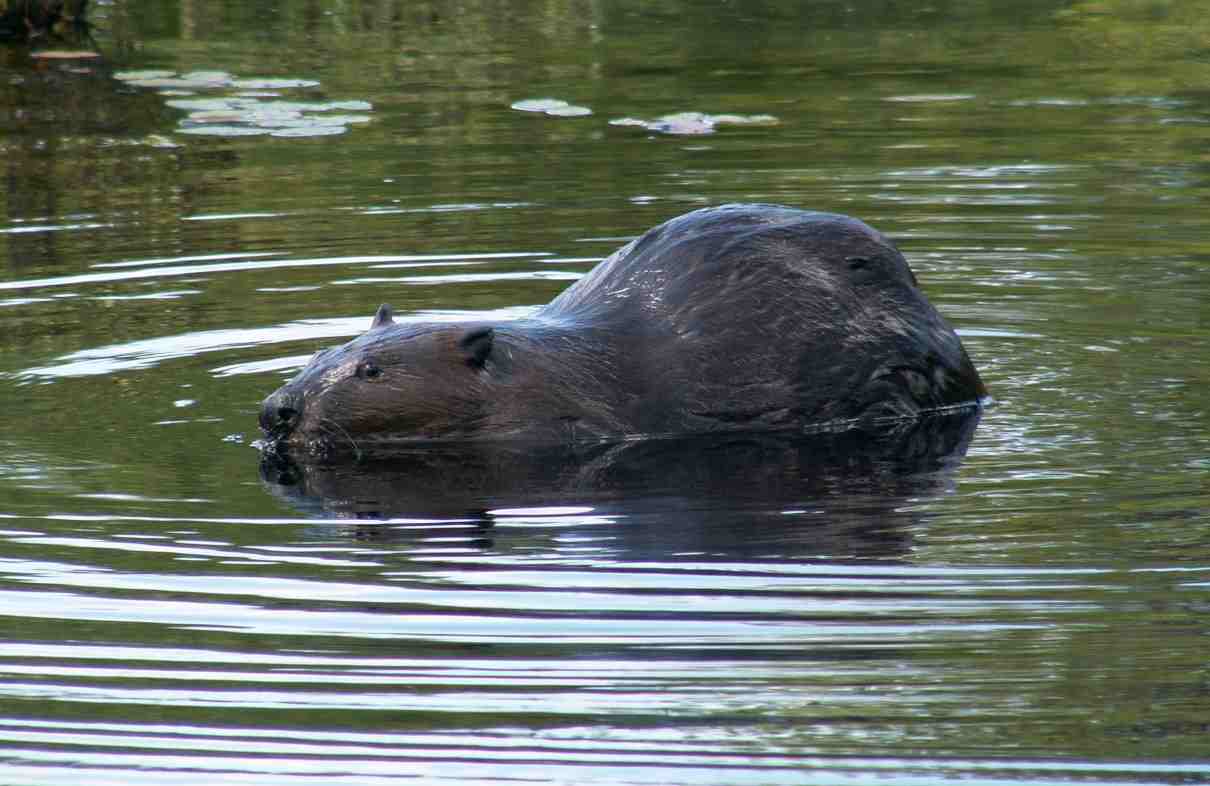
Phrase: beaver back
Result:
[763,315]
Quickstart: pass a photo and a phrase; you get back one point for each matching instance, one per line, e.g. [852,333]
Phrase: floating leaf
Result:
[538,104]
[217,116]
[197,80]
[276,121]
[348,118]
[324,106]
[127,76]
[272,84]
[211,77]
[212,104]
[931,97]
[555,107]
[693,123]
[351,106]
[569,111]
[245,114]
[312,130]
[216,130]
[157,81]
[176,83]
[682,123]
[746,120]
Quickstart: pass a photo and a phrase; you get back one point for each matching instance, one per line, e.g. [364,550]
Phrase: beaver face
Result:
[392,382]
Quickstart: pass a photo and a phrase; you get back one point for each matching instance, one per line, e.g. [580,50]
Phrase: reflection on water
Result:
[1024,602]
[872,470]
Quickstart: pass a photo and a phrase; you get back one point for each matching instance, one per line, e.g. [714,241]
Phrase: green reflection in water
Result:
[1043,165]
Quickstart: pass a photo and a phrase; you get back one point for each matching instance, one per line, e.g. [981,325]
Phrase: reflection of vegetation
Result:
[33,18]
[65,136]
[442,75]
[1126,47]
[871,96]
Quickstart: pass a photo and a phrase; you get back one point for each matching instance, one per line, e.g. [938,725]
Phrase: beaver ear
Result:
[382,317]
[477,344]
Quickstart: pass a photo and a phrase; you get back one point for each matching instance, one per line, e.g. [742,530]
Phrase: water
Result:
[1024,602]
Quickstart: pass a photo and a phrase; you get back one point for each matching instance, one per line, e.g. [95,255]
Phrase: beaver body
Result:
[736,318]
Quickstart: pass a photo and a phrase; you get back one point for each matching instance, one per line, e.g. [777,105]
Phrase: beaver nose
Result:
[280,412]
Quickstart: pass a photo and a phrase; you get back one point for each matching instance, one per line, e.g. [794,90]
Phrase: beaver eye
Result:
[368,370]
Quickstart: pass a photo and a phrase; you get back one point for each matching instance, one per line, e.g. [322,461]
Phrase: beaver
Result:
[744,317]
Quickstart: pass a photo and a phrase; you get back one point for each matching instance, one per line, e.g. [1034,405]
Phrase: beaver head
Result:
[395,381]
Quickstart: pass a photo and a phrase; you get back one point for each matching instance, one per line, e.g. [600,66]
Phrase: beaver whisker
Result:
[331,425]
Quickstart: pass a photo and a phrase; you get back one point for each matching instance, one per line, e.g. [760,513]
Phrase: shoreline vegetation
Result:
[34,19]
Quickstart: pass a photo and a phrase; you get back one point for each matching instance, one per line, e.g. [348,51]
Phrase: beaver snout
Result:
[280,413]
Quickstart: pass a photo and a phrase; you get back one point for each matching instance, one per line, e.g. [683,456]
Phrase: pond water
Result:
[184,220]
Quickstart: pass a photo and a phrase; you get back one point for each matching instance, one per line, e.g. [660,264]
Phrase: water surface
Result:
[1027,604]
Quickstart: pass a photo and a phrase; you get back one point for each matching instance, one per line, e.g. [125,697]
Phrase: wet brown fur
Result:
[744,317]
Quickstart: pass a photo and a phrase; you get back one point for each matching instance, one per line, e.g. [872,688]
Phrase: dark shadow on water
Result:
[828,496]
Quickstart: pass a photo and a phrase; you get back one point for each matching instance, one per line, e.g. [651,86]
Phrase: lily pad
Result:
[195,80]
[211,77]
[272,84]
[312,130]
[129,76]
[693,123]
[351,106]
[293,121]
[255,108]
[324,106]
[154,82]
[346,119]
[217,130]
[555,107]
[537,104]
[569,111]
[745,120]
[212,104]
[930,97]
[217,116]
